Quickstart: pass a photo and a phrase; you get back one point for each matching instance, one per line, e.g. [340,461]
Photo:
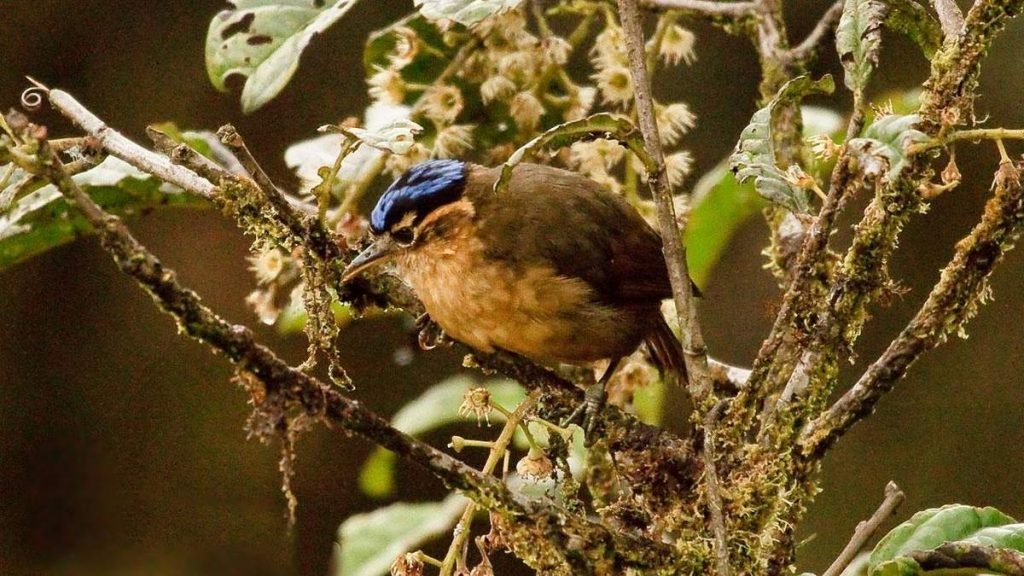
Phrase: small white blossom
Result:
[677,46]
[616,85]
[386,86]
[674,120]
[677,166]
[452,141]
[267,265]
[582,102]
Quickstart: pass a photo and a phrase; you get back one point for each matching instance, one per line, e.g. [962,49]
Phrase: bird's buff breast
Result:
[533,312]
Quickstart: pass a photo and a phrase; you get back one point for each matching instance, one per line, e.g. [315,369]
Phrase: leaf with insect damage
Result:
[754,156]
[263,40]
[945,528]
[882,148]
[858,40]
[465,12]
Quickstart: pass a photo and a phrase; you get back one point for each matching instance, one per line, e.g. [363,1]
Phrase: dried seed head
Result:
[442,103]
[476,402]
[452,141]
[535,465]
[387,86]
[556,49]
[796,176]
[497,87]
[407,565]
[407,46]
[526,110]
[823,147]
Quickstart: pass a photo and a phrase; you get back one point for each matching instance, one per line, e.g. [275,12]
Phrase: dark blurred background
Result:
[121,445]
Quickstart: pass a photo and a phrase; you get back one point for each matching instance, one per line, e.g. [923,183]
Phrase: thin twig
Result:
[961,288]
[695,353]
[123,148]
[867,528]
[498,450]
[950,17]
[707,8]
[803,51]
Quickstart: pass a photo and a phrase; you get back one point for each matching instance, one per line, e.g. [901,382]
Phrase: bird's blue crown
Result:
[421,189]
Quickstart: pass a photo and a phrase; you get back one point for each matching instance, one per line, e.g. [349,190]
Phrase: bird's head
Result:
[418,208]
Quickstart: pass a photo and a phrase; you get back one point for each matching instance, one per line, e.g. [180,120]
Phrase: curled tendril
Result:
[32,98]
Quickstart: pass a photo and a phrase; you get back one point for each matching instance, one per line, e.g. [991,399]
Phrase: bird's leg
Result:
[588,412]
[429,333]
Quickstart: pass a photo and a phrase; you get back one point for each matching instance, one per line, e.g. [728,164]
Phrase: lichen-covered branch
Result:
[962,288]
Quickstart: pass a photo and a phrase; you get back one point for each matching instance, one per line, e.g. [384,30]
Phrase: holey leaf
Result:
[754,156]
[465,12]
[262,40]
[858,39]
[881,149]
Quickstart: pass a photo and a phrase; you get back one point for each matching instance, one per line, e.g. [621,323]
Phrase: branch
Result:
[866,529]
[962,287]
[803,51]
[706,8]
[966,555]
[286,386]
[950,17]
[694,351]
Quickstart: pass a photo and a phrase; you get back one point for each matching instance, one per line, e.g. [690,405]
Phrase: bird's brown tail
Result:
[667,352]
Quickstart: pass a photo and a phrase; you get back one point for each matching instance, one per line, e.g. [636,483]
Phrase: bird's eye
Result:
[403,236]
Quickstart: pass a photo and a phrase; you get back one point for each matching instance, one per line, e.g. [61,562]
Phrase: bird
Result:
[553,267]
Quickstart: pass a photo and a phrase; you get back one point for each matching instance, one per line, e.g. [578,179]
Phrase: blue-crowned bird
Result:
[553,267]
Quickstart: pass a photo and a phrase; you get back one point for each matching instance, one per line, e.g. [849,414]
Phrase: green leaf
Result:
[913,21]
[465,12]
[41,220]
[932,528]
[858,39]
[262,40]
[368,543]
[754,156]
[437,407]
[721,204]
[881,148]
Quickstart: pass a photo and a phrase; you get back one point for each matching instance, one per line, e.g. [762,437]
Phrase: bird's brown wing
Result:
[558,218]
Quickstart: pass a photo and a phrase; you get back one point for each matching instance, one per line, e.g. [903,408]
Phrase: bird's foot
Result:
[430,335]
[588,413]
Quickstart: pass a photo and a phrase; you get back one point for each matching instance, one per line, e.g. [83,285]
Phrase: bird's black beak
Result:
[377,253]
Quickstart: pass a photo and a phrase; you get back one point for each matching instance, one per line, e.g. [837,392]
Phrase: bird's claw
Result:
[429,333]
[588,413]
